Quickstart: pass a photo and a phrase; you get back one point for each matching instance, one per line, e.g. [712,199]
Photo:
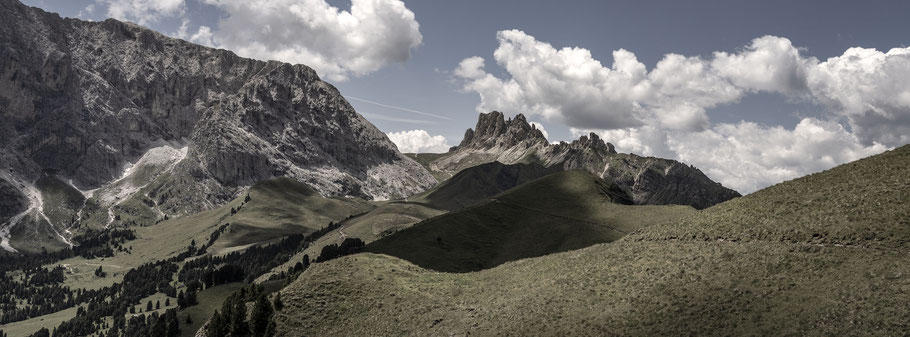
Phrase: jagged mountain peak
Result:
[650,180]
[493,130]
[90,100]
[591,141]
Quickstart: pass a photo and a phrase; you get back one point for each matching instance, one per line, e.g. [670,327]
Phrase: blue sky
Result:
[741,127]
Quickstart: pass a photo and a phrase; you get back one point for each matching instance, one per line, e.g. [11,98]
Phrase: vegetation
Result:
[38,290]
[480,182]
[562,211]
[235,320]
[425,159]
[717,272]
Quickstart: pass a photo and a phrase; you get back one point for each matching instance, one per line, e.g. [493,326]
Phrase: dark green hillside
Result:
[480,182]
[563,211]
[819,256]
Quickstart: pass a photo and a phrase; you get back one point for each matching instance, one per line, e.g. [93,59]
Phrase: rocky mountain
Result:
[142,125]
[649,180]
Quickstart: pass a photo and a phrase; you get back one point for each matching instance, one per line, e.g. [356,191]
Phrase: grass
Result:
[478,183]
[560,212]
[425,159]
[864,203]
[209,300]
[820,255]
[280,207]
[276,208]
[31,325]
[388,218]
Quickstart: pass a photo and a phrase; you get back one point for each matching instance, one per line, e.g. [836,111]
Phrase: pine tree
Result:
[262,314]
[181,300]
[173,324]
[239,326]
[191,298]
[167,302]
[157,304]
[148,307]
[218,325]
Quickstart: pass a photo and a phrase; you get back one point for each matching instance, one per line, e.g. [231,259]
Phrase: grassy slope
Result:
[478,183]
[425,159]
[277,207]
[282,206]
[821,255]
[563,211]
[377,223]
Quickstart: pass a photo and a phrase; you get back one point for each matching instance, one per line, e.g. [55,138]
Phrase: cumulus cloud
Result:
[868,88]
[337,43]
[662,112]
[747,156]
[871,89]
[143,12]
[769,63]
[568,85]
[418,141]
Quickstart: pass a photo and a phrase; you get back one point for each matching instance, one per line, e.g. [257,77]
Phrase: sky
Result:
[752,93]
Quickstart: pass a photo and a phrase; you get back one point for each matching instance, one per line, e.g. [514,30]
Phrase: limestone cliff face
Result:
[649,180]
[84,101]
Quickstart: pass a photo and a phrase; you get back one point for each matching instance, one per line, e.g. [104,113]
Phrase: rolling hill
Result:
[824,254]
[559,212]
[479,182]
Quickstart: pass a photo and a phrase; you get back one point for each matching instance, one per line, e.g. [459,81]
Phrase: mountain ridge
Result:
[86,101]
[650,180]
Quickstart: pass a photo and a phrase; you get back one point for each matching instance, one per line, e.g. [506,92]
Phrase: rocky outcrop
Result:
[649,180]
[86,100]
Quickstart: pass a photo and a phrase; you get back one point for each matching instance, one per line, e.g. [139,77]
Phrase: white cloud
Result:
[769,63]
[869,88]
[418,141]
[87,11]
[662,112]
[542,130]
[570,86]
[747,156]
[143,12]
[337,43]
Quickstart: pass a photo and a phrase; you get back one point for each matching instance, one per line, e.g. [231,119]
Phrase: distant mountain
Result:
[824,254]
[140,125]
[559,212]
[650,180]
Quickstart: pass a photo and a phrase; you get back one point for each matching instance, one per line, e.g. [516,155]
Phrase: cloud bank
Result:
[142,12]
[663,111]
[339,44]
[418,141]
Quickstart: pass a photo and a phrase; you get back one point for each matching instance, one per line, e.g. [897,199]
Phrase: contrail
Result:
[395,119]
[396,107]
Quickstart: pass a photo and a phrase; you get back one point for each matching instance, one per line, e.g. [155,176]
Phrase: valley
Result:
[154,185]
